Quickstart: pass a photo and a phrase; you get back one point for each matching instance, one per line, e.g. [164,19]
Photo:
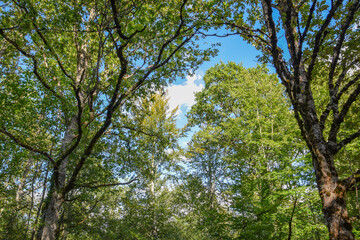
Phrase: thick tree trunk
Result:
[56,195]
[51,217]
[332,193]
[335,212]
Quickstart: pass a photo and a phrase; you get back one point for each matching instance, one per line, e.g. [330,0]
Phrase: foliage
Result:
[252,151]
[313,48]
[70,68]
[88,146]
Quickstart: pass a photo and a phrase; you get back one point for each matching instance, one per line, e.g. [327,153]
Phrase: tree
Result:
[250,157]
[151,154]
[79,64]
[208,204]
[316,35]
[146,137]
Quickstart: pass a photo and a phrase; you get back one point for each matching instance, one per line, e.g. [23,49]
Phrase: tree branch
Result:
[116,101]
[28,147]
[311,13]
[35,66]
[350,181]
[345,26]
[139,131]
[340,118]
[278,61]
[347,140]
[320,35]
[334,99]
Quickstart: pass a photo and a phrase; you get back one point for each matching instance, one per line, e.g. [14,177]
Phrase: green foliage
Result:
[248,154]
[81,96]
[69,70]
[144,209]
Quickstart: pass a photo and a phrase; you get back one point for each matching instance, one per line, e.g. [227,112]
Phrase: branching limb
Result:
[42,37]
[35,66]
[24,145]
[334,99]
[311,14]
[345,26]
[340,118]
[139,131]
[247,32]
[278,60]
[116,101]
[352,180]
[347,140]
[320,36]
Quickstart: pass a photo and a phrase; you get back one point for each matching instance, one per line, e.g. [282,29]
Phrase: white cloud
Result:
[184,95]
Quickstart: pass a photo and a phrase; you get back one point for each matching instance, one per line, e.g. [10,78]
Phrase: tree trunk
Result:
[56,195]
[332,193]
[297,75]
[51,216]
[334,208]
[152,194]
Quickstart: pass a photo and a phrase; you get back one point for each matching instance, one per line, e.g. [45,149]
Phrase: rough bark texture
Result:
[332,193]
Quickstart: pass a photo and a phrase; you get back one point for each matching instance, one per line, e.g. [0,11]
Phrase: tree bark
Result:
[51,217]
[56,195]
[332,193]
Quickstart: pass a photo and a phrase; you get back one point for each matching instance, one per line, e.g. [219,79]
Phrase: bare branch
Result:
[117,24]
[311,13]
[9,28]
[335,96]
[278,61]
[246,32]
[139,131]
[341,78]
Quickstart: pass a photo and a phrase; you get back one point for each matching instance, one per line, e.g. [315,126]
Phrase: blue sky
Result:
[181,92]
